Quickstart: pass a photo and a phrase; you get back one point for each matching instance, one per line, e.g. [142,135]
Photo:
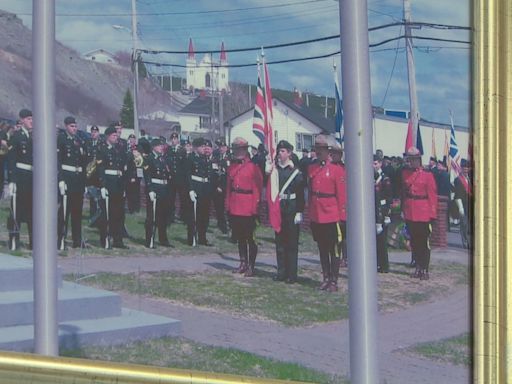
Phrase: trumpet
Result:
[90,169]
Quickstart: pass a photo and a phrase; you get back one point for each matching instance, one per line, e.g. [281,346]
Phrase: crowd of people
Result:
[107,170]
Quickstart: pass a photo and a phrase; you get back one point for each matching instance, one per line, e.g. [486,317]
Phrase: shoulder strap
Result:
[289,180]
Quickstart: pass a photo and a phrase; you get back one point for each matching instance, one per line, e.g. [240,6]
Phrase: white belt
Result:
[71,168]
[113,172]
[200,179]
[26,167]
[284,196]
[159,181]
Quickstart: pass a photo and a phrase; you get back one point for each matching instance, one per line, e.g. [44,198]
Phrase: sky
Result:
[443,69]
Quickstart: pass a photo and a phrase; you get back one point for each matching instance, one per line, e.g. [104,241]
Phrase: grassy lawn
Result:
[455,350]
[183,354]
[291,305]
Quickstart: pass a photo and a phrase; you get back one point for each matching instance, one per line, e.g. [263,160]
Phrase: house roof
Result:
[98,50]
[201,105]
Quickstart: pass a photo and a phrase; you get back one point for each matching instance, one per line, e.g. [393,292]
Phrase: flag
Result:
[419,142]
[272,193]
[258,120]
[455,170]
[446,152]
[433,152]
[408,139]
[340,130]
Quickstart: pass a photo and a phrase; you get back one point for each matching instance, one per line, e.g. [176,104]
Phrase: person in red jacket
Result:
[243,193]
[326,210]
[419,208]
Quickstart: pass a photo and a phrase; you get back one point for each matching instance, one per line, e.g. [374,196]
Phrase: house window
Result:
[191,72]
[207,80]
[223,76]
[204,121]
[303,141]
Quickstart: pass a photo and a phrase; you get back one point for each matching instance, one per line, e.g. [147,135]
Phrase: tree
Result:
[126,113]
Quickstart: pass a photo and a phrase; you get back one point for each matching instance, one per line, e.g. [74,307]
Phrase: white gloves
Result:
[104,193]
[387,220]
[152,195]
[298,218]
[193,196]
[379,228]
[62,187]
[12,188]
[460,206]
[268,166]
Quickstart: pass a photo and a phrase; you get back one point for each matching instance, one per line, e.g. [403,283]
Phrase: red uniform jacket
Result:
[243,189]
[327,193]
[419,195]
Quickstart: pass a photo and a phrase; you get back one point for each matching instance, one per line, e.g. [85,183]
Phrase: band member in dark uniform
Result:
[291,200]
[383,200]
[419,208]
[243,194]
[72,161]
[20,180]
[122,145]
[218,163]
[111,172]
[326,205]
[176,158]
[92,146]
[156,177]
[199,190]
[132,179]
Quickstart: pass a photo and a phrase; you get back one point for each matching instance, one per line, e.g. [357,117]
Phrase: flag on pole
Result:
[446,152]
[419,141]
[272,193]
[340,130]
[433,152]
[455,158]
[408,139]
[258,120]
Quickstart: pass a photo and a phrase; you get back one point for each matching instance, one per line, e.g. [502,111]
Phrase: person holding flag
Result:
[291,202]
[243,194]
[326,210]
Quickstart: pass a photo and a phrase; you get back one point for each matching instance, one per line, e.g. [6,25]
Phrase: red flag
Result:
[258,121]
[408,140]
[274,206]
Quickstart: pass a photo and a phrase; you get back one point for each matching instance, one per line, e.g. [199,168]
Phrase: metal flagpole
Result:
[135,41]
[361,234]
[411,73]
[44,179]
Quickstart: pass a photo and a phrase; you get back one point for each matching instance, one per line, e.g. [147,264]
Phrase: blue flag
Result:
[419,142]
[340,130]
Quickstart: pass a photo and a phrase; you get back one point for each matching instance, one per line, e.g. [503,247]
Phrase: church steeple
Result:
[191,55]
[223,57]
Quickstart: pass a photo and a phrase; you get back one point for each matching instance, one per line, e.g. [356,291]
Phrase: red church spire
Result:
[190,49]
[223,56]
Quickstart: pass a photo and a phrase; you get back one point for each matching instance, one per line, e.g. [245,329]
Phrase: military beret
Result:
[284,144]
[239,142]
[433,158]
[376,158]
[220,142]
[305,150]
[198,142]
[25,113]
[174,135]
[132,136]
[110,130]
[208,143]
[69,120]
[94,128]
[156,142]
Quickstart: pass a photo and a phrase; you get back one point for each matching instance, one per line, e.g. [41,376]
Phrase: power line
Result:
[392,70]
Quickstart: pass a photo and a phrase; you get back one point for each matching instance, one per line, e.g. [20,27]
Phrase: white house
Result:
[208,74]
[100,56]
[195,117]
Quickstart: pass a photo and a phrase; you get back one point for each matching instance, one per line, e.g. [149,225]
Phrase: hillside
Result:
[91,91]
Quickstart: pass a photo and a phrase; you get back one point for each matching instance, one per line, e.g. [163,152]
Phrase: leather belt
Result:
[417,197]
[287,196]
[71,168]
[323,195]
[242,191]
[113,172]
[159,181]
[26,167]
[200,179]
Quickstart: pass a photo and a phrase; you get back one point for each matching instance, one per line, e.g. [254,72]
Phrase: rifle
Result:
[65,226]
[194,239]
[107,238]
[153,228]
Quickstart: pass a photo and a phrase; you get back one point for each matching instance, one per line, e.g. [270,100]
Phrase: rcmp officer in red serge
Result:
[383,199]
[71,160]
[111,172]
[156,177]
[419,208]
[326,206]
[199,190]
[291,197]
[243,194]
[20,180]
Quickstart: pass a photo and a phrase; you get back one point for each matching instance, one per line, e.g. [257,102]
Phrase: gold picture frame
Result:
[492,88]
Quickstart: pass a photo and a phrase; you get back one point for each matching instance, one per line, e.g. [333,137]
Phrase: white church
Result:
[208,74]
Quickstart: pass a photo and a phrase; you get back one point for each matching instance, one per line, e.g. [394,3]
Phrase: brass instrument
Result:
[138,158]
[90,169]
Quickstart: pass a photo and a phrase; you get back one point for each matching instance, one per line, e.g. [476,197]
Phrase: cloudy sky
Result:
[442,68]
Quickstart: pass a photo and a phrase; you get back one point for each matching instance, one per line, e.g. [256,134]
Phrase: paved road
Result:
[324,347]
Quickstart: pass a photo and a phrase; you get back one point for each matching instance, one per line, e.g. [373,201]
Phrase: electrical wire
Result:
[392,70]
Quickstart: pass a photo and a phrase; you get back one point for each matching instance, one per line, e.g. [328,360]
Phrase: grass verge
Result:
[455,350]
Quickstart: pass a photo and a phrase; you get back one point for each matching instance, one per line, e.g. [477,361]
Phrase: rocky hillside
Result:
[91,91]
